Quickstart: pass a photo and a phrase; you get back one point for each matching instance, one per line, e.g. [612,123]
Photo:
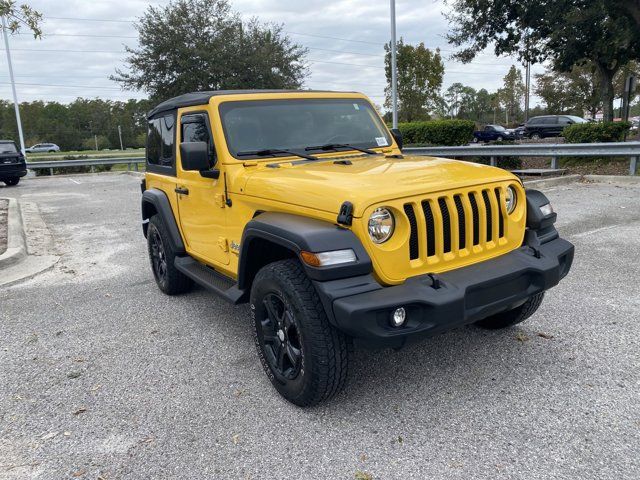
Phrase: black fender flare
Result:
[540,228]
[156,201]
[297,233]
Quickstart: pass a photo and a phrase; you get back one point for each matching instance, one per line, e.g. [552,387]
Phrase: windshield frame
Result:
[227,104]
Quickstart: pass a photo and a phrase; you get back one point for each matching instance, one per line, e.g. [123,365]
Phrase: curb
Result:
[552,182]
[16,240]
[624,179]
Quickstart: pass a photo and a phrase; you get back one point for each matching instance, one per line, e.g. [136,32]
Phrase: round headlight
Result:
[511,200]
[381,225]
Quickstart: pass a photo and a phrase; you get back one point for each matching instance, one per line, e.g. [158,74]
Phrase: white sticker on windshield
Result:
[381,141]
[356,106]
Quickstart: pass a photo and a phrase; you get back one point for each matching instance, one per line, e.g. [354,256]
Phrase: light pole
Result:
[394,72]
[13,83]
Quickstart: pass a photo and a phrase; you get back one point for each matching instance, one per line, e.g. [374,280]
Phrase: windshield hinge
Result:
[345,217]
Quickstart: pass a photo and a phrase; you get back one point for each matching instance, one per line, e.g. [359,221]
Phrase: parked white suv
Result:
[43,147]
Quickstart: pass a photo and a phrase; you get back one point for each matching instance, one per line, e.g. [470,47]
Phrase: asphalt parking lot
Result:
[103,376]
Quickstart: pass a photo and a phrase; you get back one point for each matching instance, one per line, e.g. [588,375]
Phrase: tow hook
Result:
[435,281]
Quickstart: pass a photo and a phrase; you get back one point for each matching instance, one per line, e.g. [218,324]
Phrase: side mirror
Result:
[397,136]
[195,157]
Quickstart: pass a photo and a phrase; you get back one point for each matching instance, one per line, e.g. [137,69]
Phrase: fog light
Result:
[398,317]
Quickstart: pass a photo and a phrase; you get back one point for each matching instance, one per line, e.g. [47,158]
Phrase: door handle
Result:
[182,191]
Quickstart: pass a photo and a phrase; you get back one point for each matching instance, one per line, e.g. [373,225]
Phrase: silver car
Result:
[43,147]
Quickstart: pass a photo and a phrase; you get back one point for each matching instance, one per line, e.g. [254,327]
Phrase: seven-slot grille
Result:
[453,222]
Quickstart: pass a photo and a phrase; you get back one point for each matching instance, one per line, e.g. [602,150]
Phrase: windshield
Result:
[8,148]
[500,128]
[253,126]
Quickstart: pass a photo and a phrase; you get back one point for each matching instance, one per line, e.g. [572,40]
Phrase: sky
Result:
[83,43]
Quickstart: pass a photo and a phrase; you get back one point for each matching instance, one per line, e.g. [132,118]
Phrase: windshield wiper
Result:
[336,146]
[272,152]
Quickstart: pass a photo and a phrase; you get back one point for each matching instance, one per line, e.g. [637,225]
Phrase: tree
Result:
[538,34]
[420,73]
[574,92]
[512,94]
[193,45]
[21,15]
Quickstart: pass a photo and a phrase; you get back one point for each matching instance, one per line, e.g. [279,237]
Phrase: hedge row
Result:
[437,132]
[596,132]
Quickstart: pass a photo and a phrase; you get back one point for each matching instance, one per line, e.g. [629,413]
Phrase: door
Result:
[201,200]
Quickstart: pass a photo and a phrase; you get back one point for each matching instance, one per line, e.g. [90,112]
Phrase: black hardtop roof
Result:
[202,98]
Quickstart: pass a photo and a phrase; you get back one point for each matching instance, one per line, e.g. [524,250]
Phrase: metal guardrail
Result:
[87,162]
[553,151]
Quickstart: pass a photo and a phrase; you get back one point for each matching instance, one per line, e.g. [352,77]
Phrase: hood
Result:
[369,180]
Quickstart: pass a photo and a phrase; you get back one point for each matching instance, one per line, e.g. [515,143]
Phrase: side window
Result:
[154,140]
[160,141]
[195,128]
[564,121]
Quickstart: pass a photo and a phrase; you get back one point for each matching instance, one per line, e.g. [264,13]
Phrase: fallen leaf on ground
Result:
[239,392]
[548,336]
[79,473]
[363,457]
[95,388]
[67,434]
[74,373]
[400,439]
[236,439]
[363,476]
[80,410]
[521,337]
[49,436]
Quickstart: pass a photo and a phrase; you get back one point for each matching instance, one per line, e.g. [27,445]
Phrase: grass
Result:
[138,152]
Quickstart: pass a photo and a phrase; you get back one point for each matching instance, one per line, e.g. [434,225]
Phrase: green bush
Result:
[437,132]
[596,132]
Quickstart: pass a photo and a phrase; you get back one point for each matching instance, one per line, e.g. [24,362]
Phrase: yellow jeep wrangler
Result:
[302,204]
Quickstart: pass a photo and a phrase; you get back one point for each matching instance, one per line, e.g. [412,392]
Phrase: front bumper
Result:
[361,307]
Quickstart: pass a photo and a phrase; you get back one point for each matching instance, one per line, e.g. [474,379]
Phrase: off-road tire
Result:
[169,279]
[11,182]
[323,362]
[512,317]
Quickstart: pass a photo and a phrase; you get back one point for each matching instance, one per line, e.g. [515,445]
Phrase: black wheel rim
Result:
[158,256]
[281,338]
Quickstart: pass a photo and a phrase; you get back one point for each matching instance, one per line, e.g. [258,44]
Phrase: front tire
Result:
[514,316]
[12,182]
[162,256]
[305,357]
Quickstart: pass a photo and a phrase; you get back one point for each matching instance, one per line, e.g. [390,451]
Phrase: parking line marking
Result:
[75,181]
[597,230]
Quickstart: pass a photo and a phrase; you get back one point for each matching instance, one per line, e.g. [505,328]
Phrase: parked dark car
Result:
[12,163]
[549,125]
[492,133]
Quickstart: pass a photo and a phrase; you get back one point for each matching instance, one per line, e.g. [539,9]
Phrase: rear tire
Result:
[162,256]
[535,136]
[11,182]
[512,317]
[304,356]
